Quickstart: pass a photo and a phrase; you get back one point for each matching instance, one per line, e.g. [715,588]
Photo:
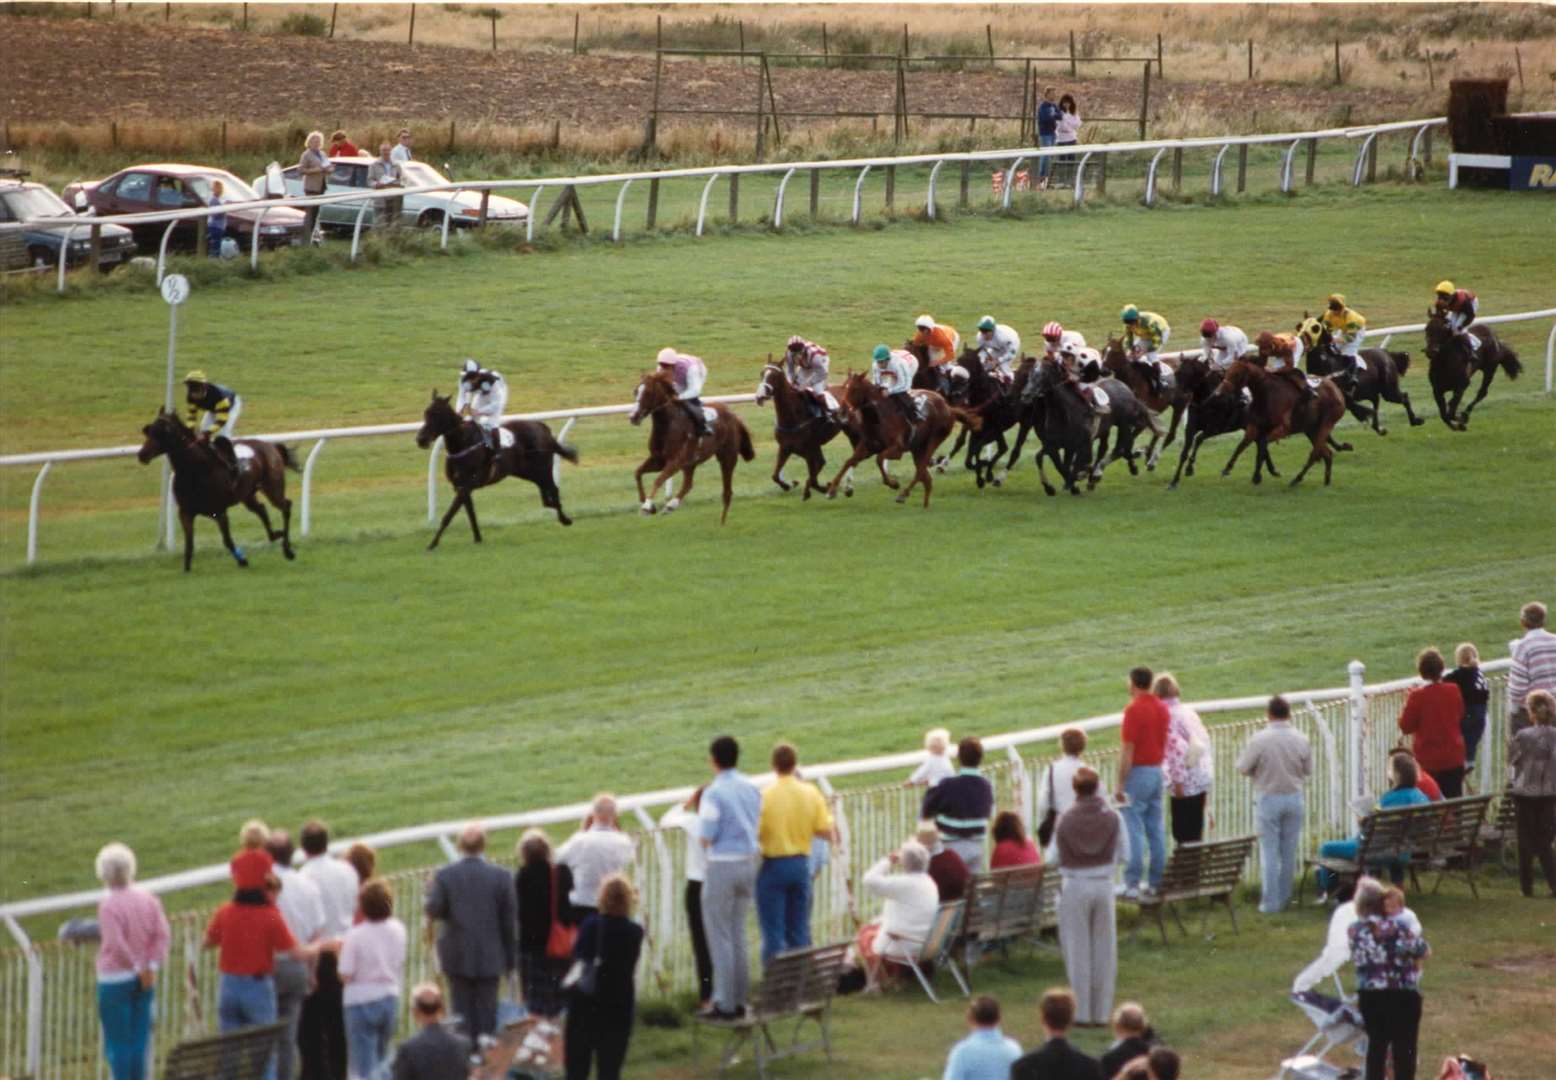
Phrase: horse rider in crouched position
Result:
[1459,307]
[894,369]
[213,411]
[1282,354]
[688,373]
[1224,345]
[483,396]
[941,345]
[808,366]
[1346,329]
[1145,332]
[999,350]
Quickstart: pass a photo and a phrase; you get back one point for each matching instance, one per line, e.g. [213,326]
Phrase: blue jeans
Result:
[783,905]
[1044,163]
[1473,727]
[1280,827]
[369,1027]
[125,1010]
[213,240]
[1143,816]
[1346,849]
[244,1001]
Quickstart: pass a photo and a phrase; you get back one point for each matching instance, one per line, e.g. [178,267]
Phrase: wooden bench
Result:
[1501,830]
[1207,871]
[236,1055]
[797,984]
[1455,846]
[1005,906]
[1402,837]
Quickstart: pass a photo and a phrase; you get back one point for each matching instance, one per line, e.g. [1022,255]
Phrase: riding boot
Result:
[909,409]
[226,454]
[699,420]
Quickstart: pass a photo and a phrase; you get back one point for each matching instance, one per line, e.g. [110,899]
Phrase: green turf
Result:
[378,685]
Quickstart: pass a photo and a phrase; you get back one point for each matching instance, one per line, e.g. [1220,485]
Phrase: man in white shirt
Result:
[337,885]
[303,912]
[1534,665]
[595,852]
[402,147]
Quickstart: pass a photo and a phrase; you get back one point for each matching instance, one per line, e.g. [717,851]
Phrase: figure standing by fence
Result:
[1279,759]
[135,939]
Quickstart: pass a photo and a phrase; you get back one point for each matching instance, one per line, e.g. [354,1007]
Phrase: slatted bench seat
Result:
[235,1055]
[797,984]
[1005,906]
[1455,847]
[1210,871]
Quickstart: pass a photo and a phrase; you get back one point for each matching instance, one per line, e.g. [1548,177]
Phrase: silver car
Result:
[348,174]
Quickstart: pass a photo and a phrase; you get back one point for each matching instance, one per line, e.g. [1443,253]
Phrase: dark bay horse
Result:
[471,464]
[1363,393]
[1278,410]
[1116,361]
[675,447]
[983,395]
[999,413]
[799,429]
[1064,424]
[203,486]
[1126,418]
[1453,366]
[885,432]
[1208,415]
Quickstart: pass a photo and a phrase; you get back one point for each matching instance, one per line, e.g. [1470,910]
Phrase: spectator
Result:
[475,902]
[1056,1059]
[1387,955]
[337,880]
[216,224]
[543,890]
[372,965]
[1011,844]
[252,862]
[1187,762]
[1092,842]
[1532,758]
[341,146]
[946,868]
[1476,692]
[298,900]
[314,167]
[1160,1064]
[600,1024]
[1132,1038]
[1403,791]
[1067,130]
[793,814]
[434,1052]
[1279,760]
[363,860]
[1139,794]
[135,939]
[1047,132]
[936,766]
[1433,717]
[1057,793]
[962,805]
[321,1033]
[986,1053]
[402,148]
[730,811]
[684,817]
[1534,664]
[596,851]
[1337,948]
[1424,779]
[911,900]
[385,173]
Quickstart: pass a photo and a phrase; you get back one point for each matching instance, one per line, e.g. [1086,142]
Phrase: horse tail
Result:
[966,416]
[288,457]
[747,451]
[1401,361]
[567,453]
[1510,363]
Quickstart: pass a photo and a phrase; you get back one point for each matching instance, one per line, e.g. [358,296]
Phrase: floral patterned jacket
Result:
[1386,954]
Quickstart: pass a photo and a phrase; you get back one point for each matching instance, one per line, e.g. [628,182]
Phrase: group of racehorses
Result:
[1075,434]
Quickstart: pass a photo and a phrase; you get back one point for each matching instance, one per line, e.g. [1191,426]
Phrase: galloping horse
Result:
[1064,426]
[799,429]
[983,395]
[1380,379]
[1208,414]
[999,413]
[1115,360]
[1452,366]
[885,432]
[1278,410]
[471,464]
[203,486]
[675,447]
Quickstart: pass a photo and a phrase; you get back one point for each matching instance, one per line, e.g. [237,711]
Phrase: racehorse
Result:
[1278,410]
[1452,366]
[935,377]
[1207,415]
[1126,417]
[471,464]
[983,394]
[674,446]
[999,413]
[886,433]
[1379,379]
[203,485]
[800,428]
[1115,360]
[1064,424]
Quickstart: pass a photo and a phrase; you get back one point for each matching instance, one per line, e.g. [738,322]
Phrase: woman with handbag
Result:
[1188,763]
[1057,792]
[546,930]
[600,993]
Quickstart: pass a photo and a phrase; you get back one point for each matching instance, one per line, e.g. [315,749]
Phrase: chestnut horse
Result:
[203,486]
[471,464]
[798,428]
[1453,366]
[885,432]
[1277,410]
[1115,360]
[674,446]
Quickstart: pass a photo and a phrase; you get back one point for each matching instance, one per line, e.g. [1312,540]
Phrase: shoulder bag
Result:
[1045,828]
[560,941]
[583,978]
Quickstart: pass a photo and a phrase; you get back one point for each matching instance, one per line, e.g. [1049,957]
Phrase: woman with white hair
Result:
[314,168]
[911,900]
[135,940]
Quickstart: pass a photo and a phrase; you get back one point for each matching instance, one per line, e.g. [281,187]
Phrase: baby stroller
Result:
[1339,1023]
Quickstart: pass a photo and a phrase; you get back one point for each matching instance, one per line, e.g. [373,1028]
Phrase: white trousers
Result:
[1088,937]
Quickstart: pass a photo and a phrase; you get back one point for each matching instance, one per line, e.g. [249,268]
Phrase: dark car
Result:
[22,201]
[145,188]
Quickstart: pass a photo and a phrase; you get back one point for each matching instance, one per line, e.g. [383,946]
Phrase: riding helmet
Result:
[1053,331]
[1445,288]
[1209,328]
[1130,313]
[925,322]
[667,356]
[196,376]
[1336,300]
[986,323]
[796,343]
[881,354]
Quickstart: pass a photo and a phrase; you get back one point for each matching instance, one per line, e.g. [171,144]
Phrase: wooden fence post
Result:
[905,39]
[1426,147]
[224,138]
[1161,72]
[653,115]
[1250,59]
[450,135]
[97,246]
[826,52]
[653,202]
[1518,58]
[988,29]
[659,31]
[761,123]
[1145,100]
[734,197]
[1372,162]
[576,17]
[815,193]
[1431,76]
[113,134]
[1102,175]
[494,16]
[742,25]
[772,99]
[334,11]
[891,187]
[245,16]
[410,38]
[1072,54]
[1312,160]
[167,12]
[961,198]
[1028,107]
[1337,78]
[1242,167]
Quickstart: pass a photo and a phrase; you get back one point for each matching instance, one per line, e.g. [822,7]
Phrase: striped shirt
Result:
[1534,667]
[135,935]
[961,805]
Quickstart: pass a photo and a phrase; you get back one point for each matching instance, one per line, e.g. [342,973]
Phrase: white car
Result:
[349,174]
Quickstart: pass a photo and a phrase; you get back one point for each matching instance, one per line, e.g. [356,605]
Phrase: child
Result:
[250,866]
[216,224]
[1394,908]
[937,766]
[1476,692]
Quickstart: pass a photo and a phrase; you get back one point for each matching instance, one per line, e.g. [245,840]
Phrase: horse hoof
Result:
[806,496]
[832,493]
[902,499]
[289,553]
[1383,431]
[848,493]
[998,481]
[1416,421]
[980,481]
[1296,481]
[243,564]
[647,507]
[563,518]
[1048,489]
[673,505]
[1257,479]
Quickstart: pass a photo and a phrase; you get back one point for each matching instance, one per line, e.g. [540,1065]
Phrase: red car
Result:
[145,188]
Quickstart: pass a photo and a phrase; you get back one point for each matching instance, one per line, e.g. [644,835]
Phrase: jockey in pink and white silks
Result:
[1223,345]
[483,395]
[999,349]
[1062,345]
[807,365]
[688,373]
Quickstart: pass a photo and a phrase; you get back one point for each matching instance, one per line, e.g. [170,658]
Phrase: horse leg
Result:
[186,519]
[475,529]
[675,501]
[1456,421]
[1000,446]
[886,477]
[1488,373]
[233,549]
[275,491]
[1178,408]
[727,467]
[645,503]
[257,508]
[1402,398]
[551,496]
[1247,441]
[1021,440]
[453,508]
[1183,455]
[945,459]
[783,456]
[853,459]
[1042,475]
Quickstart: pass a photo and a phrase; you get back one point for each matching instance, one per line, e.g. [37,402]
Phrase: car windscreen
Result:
[38,202]
[420,174]
[233,189]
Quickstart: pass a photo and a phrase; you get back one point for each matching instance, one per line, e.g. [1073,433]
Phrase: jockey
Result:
[213,411]
[1459,307]
[942,342]
[1223,344]
[688,373]
[1061,344]
[1282,353]
[1346,330]
[999,347]
[807,364]
[483,395]
[1145,332]
[894,369]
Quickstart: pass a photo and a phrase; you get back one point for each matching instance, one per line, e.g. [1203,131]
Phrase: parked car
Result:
[349,174]
[145,188]
[24,201]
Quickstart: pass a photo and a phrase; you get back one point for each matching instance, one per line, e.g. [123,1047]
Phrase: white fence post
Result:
[64,257]
[529,220]
[259,222]
[621,200]
[702,207]
[1285,167]
[447,214]
[356,231]
[1358,783]
[1010,181]
[32,512]
[1150,177]
[783,185]
[313,455]
[432,481]
[34,996]
[1550,357]
[1080,174]
[167,234]
[934,176]
[1215,170]
[858,188]
[1361,159]
[556,459]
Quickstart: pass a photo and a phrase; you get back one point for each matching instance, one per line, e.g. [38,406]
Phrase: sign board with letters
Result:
[1532,174]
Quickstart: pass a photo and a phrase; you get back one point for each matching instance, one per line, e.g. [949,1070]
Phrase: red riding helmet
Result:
[1053,331]
[1209,327]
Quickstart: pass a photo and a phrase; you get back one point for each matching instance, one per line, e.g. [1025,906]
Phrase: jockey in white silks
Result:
[894,369]
[483,395]
[1224,345]
[999,349]
[688,373]
[807,365]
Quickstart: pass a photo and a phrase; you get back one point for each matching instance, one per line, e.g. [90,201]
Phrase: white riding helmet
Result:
[667,356]
[925,322]
[471,366]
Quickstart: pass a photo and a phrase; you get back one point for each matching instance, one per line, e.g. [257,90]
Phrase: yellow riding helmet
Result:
[196,376]
[1445,288]
[1336,298]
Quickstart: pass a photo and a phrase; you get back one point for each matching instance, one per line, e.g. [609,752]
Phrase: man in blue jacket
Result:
[1047,132]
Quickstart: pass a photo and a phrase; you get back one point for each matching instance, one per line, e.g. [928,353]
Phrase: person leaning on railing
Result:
[1433,718]
[1532,757]
[1534,664]
[135,941]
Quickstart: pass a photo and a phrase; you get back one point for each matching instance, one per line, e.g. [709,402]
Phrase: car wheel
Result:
[430,219]
[42,258]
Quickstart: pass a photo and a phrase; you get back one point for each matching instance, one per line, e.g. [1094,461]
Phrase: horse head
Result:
[1113,356]
[437,420]
[858,391]
[1238,377]
[655,391]
[163,435]
[773,376]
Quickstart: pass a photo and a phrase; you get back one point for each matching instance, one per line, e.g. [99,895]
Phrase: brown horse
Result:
[1116,361]
[1453,366]
[675,447]
[471,464]
[800,428]
[203,486]
[1278,410]
[886,433]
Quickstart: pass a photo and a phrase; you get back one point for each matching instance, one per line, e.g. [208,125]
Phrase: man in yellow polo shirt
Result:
[793,814]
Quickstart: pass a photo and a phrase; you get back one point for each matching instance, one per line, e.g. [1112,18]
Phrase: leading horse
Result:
[1453,365]
[674,446]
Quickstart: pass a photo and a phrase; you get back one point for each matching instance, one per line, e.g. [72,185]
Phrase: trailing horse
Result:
[1277,410]
[1379,379]
[1208,414]
[674,445]
[885,432]
[471,464]
[1144,388]
[203,486]
[1453,366]
[800,428]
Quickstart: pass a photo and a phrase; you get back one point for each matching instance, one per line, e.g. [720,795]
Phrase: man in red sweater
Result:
[1144,737]
[1431,719]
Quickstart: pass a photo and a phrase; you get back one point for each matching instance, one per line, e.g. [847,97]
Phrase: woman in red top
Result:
[1431,719]
[1012,847]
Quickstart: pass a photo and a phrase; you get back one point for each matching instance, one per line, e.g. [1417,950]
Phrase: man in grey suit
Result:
[433,1053]
[475,902]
